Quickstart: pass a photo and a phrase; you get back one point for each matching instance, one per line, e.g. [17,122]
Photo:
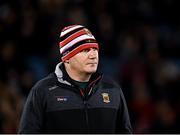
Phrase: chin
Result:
[91,71]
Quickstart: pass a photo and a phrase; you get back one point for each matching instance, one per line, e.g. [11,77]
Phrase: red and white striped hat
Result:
[74,39]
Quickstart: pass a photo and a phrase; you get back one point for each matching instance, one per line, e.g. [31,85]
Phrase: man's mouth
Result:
[92,63]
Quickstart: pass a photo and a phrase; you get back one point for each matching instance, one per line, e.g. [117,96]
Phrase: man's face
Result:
[85,61]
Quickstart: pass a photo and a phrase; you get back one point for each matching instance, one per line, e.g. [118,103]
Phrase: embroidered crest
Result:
[105,97]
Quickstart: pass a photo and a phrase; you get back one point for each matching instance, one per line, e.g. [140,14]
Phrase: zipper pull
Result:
[90,91]
[82,93]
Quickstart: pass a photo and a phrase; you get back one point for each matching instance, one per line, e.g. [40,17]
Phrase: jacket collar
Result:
[60,75]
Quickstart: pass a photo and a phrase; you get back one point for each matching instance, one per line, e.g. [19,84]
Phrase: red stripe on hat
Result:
[78,49]
[73,36]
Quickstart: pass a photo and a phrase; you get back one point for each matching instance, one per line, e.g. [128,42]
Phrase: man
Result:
[75,98]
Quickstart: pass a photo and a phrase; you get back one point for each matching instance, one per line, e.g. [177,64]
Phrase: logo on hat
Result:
[105,97]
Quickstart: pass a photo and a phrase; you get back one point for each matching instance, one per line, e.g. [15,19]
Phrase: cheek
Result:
[78,63]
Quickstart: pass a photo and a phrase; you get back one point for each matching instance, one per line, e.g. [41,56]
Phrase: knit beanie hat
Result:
[74,39]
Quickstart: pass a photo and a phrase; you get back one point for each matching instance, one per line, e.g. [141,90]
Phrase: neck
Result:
[78,76]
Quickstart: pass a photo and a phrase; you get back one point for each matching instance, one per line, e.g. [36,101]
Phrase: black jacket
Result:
[56,105]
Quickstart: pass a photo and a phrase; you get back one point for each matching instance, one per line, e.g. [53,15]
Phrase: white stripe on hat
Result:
[80,38]
[70,29]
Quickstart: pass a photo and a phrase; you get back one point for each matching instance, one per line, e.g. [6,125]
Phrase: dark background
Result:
[139,48]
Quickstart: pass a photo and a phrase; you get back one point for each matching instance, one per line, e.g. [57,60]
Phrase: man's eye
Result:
[85,50]
[95,49]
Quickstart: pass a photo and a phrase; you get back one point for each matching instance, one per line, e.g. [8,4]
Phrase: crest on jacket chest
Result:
[105,97]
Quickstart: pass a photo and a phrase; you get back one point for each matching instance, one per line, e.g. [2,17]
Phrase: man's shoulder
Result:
[109,82]
[46,81]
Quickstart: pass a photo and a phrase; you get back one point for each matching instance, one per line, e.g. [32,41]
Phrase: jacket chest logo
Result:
[61,98]
[105,97]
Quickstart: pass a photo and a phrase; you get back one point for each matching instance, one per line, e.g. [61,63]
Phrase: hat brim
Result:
[78,49]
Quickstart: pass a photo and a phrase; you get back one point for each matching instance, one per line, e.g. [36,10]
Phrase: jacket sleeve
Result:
[32,115]
[123,124]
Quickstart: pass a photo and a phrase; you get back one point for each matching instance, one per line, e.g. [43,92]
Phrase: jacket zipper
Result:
[86,115]
[85,109]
